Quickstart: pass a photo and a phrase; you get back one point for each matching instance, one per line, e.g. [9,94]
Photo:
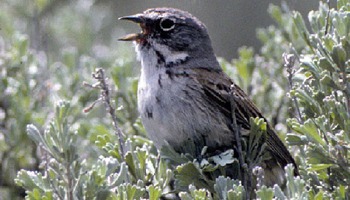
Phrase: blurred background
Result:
[231,24]
[91,25]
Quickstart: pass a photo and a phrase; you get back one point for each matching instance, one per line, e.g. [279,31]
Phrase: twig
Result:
[69,182]
[51,182]
[346,89]
[105,97]
[245,175]
[289,60]
[259,174]
[327,18]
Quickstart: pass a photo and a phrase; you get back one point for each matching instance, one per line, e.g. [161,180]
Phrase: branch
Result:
[289,60]
[105,97]
[245,174]
[327,18]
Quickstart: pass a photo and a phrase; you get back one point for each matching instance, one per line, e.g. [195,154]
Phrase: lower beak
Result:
[139,19]
[131,37]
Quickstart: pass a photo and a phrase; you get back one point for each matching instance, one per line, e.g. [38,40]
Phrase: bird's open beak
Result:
[139,19]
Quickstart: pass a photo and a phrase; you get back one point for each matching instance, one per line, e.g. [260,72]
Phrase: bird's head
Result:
[170,32]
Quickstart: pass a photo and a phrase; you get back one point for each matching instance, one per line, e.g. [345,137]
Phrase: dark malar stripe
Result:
[160,57]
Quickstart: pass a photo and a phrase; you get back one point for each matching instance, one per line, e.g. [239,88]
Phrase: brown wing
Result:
[216,85]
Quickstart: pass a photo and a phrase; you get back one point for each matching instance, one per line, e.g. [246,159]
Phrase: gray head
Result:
[173,32]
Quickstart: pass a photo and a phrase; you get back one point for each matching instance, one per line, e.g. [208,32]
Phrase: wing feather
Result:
[217,86]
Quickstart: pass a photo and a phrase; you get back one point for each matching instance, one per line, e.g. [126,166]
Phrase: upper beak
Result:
[139,19]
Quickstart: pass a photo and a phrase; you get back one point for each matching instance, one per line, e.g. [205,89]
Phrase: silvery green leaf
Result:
[296,139]
[310,130]
[265,193]
[185,196]
[167,152]
[130,161]
[224,158]
[154,192]
[227,188]
[301,27]
[198,194]
[327,80]
[128,191]
[120,177]
[187,174]
[339,56]
[279,195]
[34,133]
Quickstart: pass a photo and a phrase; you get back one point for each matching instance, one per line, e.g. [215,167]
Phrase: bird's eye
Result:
[167,24]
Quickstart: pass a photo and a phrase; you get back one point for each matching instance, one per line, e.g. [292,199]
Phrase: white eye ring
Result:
[166,24]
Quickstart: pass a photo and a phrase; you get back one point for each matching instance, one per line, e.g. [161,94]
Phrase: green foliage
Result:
[265,193]
[319,91]
[77,156]
[33,78]
[68,176]
[64,176]
[323,97]
[229,189]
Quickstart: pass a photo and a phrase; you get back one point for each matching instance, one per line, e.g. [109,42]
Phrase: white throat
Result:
[155,60]
[149,56]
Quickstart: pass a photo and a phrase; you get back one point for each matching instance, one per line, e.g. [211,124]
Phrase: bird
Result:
[184,96]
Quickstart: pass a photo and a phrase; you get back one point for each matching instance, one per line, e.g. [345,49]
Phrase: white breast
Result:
[148,87]
[169,112]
